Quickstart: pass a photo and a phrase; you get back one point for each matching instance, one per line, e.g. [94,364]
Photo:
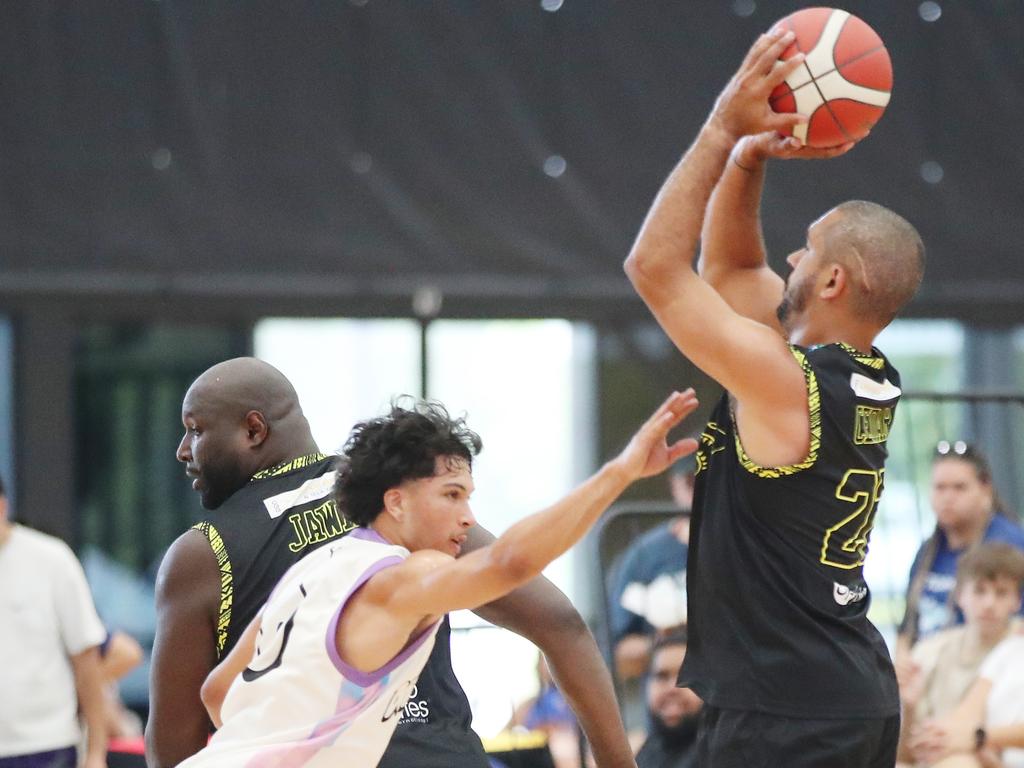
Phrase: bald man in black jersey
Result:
[791,467]
[251,456]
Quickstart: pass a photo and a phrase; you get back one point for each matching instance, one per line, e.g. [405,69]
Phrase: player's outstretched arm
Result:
[184,650]
[733,258]
[541,613]
[527,547]
[406,598]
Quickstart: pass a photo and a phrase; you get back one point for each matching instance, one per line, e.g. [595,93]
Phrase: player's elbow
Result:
[707,270]
[212,694]
[562,627]
[644,272]
[632,266]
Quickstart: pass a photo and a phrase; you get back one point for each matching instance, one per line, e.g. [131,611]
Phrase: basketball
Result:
[844,84]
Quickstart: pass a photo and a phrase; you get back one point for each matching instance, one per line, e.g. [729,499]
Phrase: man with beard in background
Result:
[672,712]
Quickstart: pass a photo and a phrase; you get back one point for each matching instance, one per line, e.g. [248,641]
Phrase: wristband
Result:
[980,737]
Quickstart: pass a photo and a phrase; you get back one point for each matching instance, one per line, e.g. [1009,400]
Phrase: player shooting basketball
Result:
[792,463]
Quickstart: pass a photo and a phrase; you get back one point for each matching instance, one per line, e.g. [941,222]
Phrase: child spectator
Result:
[942,667]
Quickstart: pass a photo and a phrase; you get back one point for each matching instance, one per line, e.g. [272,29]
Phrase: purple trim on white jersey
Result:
[368,534]
[359,677]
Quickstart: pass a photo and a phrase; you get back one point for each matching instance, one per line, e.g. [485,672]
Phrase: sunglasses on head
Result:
[955,448]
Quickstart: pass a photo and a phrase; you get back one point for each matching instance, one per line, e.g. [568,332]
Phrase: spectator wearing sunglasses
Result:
[968,511]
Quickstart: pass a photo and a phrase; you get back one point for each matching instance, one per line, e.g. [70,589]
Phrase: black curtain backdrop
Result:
[335,156]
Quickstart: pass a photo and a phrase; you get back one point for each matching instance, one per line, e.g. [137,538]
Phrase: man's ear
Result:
[836,283]
[257,430]
[393,504]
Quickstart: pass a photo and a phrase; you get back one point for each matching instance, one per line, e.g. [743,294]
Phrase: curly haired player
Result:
[321,676]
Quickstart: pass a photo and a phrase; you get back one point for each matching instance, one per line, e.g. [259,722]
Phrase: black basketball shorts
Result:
[734,738]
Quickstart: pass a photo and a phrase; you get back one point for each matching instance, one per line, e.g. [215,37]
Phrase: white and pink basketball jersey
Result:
[298,703]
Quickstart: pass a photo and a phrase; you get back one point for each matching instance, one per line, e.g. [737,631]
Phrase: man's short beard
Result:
[784,311]
[221,483]
[679,735]
[793,302]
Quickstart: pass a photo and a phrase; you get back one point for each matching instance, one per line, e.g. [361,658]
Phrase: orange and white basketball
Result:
[844,84]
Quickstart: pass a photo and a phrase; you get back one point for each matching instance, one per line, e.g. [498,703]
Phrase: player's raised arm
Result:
[747,357]
[410,596]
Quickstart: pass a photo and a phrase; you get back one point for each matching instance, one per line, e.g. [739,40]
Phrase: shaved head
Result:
[245,384]
[241,417]
[882,252]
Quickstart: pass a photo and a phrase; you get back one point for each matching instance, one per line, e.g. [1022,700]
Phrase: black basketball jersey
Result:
[434,731]
[260,532]
[262,529]
[777,602]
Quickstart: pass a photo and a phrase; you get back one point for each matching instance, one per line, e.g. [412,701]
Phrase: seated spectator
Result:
[673,712]
[967,512]
[986,730]
[943,666]
[549,713]
[648,594]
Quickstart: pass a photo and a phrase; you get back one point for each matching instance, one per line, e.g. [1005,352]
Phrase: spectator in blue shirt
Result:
[967,512]
[648,593]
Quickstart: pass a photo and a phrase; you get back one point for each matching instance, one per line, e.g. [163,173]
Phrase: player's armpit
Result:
[389,610]
[184,650]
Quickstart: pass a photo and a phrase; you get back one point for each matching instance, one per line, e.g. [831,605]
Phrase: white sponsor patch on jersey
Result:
[869,389]
[845,595]
[311,490]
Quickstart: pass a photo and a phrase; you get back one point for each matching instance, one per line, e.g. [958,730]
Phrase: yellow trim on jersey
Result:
[227,588]
[872,361]
[288,466]
[814,411]
[509,740]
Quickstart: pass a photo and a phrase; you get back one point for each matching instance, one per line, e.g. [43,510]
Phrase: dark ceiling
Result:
[335,156]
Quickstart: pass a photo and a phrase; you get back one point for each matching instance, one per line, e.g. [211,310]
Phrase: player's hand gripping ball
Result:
[844,84]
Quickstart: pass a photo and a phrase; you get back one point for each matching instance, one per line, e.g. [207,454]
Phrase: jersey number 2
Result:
[846,543]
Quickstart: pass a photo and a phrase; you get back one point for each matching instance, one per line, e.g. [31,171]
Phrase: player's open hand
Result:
[742,108]
[753,150]
[649,452]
